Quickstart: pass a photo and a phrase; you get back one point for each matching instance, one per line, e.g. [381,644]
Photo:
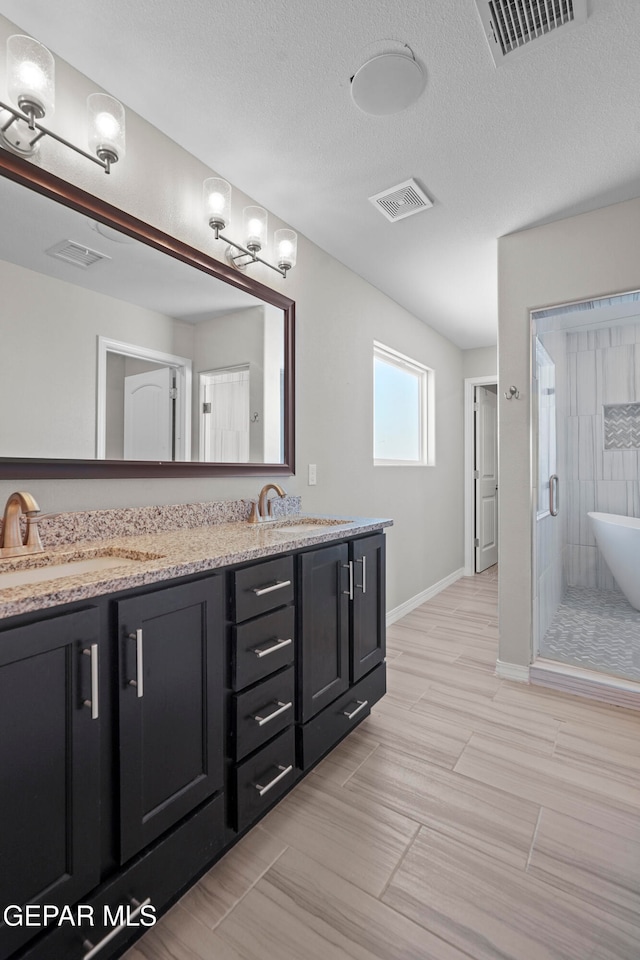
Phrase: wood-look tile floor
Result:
[467,817]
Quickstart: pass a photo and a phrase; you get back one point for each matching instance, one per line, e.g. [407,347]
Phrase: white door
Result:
[486,478]
[148,415]
[225,428]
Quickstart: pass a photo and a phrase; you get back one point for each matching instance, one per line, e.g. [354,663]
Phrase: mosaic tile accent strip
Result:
[597,630]
[622,426]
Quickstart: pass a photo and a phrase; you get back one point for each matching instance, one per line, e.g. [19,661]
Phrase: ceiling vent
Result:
[511,25]
[76,253]
[401,201]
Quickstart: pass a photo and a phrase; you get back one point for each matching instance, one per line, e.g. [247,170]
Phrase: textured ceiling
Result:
[259,90]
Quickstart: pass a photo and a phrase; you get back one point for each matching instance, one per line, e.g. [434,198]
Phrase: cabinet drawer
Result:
[262,646]
[262,712]
[322,732]
[264,777]
[262,587]
[165,868]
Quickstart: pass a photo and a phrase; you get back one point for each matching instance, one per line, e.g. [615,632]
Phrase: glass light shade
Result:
[106,126]
[286,242]
[217,202]
[254,228]
[30,75]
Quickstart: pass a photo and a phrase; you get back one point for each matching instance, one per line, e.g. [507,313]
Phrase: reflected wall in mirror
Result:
[128,353]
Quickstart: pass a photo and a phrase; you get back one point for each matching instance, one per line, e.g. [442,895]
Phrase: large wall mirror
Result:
[127,353]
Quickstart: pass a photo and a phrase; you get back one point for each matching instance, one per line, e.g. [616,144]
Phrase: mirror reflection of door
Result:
[486,478]
[225,415]
[149,415]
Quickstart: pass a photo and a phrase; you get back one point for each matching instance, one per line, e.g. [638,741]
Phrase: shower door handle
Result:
[553,495]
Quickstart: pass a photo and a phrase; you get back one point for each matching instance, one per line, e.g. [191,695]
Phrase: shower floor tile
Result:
[597,630]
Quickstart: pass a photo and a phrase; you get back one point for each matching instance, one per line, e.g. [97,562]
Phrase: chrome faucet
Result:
[263,509]
[11,541]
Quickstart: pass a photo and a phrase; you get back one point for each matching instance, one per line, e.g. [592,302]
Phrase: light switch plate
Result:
[312,475]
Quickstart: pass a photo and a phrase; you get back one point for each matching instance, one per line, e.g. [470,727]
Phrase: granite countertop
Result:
[153,557]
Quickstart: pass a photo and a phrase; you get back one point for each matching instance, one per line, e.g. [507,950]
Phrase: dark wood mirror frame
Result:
[21,171]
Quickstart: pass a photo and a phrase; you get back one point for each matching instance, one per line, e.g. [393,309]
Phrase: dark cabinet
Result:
[50,763]
[323,618]
[139,734]
[171,707]
[368,610]
[341,616]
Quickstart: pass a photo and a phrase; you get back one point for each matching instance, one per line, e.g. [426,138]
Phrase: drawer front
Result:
[264,777]
[166,868]
[262,587]
[262,712]
[321,733]
[262,646]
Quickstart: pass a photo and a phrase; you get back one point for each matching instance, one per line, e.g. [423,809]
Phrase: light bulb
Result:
[285,249]
[31,76]
[216,203]
[107,125]
[255,227]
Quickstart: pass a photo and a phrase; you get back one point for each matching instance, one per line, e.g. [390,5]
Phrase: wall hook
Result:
[512,393]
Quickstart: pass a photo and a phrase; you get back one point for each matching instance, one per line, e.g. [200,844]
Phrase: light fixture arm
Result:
[244,252]
[104,159]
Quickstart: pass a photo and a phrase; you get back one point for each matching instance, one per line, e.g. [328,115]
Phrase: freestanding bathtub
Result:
[619,541]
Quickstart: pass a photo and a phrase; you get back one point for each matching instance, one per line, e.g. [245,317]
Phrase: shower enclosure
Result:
[586,439]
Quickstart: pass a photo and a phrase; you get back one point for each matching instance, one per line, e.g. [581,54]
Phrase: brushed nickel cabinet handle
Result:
[361,705]
[275,644]
[139,681]
[281,707]
[94,949]
[92,652]
[363,561]
[262,789]
[270,587]
[349,566]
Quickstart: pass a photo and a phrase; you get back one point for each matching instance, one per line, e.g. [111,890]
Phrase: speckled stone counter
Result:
[188,539]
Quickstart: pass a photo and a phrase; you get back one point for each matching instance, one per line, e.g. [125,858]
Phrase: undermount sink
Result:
[40,568]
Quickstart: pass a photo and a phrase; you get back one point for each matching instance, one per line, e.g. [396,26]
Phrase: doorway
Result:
[480,474]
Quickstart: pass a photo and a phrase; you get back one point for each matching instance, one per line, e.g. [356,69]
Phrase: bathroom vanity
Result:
[153,711]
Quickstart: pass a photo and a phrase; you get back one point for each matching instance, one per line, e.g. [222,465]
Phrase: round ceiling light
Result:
[387,84]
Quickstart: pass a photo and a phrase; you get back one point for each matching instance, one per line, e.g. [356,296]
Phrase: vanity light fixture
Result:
[31,88]
[217,204]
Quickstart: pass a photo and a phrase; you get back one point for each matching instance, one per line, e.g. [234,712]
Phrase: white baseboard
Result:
[512,671]
[398,612]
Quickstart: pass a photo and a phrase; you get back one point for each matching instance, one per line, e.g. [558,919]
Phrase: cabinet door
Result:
[368,608]
[323,631]
[49,757]
[171,707]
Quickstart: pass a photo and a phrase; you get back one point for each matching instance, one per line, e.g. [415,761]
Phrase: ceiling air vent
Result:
[76,253]
[401,201]
[511,25]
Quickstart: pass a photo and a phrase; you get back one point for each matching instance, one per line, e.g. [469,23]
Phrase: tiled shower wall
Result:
[603,367]
[551,532]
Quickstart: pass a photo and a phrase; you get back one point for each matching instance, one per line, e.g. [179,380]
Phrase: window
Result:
[403,427]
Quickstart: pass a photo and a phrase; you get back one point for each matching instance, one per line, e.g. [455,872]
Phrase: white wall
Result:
[480,362]
[595,254]
[338,317]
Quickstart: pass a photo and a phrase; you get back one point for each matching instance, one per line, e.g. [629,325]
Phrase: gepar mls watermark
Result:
[79,915]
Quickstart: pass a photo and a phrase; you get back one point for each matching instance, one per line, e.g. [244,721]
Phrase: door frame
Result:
[183,368]
[470,383]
